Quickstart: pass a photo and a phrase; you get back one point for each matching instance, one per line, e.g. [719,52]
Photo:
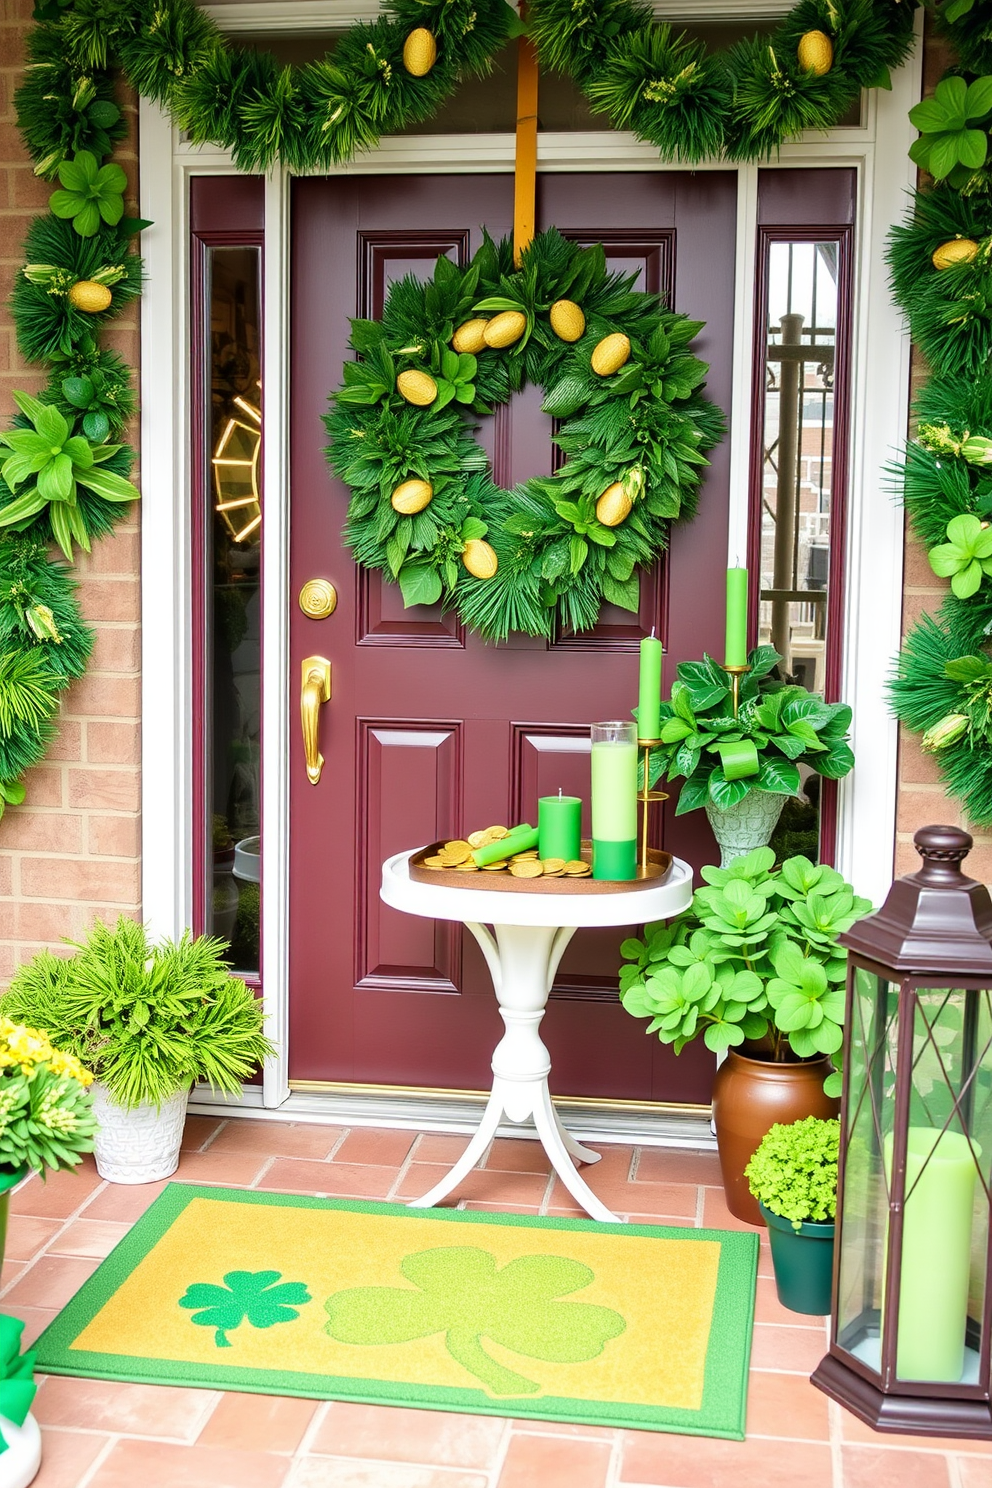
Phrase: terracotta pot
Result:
[749,1096]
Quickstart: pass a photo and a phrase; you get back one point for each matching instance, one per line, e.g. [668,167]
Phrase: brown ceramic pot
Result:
[749,1096]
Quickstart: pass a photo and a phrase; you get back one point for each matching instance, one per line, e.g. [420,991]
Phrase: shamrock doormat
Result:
[501,1314]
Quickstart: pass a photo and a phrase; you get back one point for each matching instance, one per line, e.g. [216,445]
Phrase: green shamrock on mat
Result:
[246,1296]
[461,1294]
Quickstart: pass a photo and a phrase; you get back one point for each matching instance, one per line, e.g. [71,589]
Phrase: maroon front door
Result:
[430,733]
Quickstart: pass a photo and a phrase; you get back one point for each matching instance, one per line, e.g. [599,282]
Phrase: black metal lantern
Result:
[912,1300]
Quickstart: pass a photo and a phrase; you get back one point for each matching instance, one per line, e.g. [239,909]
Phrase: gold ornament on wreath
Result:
[632,425]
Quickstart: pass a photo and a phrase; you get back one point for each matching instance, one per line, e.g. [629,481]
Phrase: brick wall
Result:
[71,853]
[922,799]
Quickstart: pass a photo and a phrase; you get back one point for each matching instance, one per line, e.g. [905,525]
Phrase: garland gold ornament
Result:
[616,371]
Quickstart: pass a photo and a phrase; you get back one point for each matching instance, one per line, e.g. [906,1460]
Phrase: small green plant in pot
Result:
[754,969]
[148,1020]
[793,1175]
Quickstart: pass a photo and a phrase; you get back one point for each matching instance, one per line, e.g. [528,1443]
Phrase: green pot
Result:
[803,1261]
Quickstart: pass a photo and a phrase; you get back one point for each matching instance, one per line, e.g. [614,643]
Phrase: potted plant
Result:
[793,1176]
[148,1020]
[743,765]
[753,968]
[46,1124]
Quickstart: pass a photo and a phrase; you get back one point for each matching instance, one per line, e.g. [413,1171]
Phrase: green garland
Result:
[941,265]
[635,434]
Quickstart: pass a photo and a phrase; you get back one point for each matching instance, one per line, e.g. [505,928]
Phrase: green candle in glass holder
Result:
[614,800]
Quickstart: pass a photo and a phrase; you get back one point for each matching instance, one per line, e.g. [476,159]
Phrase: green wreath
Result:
[615,369]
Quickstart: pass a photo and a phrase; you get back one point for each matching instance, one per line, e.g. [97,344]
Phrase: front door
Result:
[430,733]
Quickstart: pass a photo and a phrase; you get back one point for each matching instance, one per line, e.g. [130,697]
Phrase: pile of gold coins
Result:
[457,856]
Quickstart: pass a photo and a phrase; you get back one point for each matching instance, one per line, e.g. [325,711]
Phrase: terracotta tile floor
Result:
[102,1435]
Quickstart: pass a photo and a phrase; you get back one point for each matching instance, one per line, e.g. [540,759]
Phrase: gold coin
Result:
[466,868]
[554,873]
[578,872]
[476,839]
[576,865]
[552,865]
[496,867]
[529,868]
[434,867]
[456,852]
[434,862]
[525,857]
[496,834]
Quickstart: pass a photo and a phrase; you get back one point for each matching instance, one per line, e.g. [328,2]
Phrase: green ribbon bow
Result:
[739,757]
[17,1386]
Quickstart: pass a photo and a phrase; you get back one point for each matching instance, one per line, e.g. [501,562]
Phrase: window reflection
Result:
[233,622]
[797,486]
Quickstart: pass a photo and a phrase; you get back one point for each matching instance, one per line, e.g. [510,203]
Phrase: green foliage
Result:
[48,325]
[787,725]
[966,23]
[458,1290]
[953,125]
[90,193]
[648,426]
[62,109]
[794,1171]
[46,1120]
[754,959]
[695,105]
[146,1019]
[261,1298]
[949,310]
[51,464]
[966,556]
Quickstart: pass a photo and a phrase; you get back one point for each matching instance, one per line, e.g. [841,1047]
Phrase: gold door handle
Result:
[316,689]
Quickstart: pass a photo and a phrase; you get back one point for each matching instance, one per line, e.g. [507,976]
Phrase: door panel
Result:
[431,732]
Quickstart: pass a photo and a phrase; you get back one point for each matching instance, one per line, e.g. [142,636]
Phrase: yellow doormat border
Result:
[168,1260]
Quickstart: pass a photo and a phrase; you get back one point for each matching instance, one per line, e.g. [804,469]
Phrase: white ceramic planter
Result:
[140,1145]
[740,829]
[20,1463]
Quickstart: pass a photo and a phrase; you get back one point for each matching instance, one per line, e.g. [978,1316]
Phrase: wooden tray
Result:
[659,868]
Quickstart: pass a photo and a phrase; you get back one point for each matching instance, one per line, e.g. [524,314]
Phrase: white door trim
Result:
[880,356]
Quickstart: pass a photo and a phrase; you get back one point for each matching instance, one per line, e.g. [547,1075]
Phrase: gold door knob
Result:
[316,689]
[318,598]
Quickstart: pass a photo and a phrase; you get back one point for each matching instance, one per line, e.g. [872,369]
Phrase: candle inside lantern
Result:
[559,827]
[936,1254]
[649,691]
[614,800]
[736,644]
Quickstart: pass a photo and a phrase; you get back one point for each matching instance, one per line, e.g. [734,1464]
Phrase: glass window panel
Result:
[232,612]
[797,484]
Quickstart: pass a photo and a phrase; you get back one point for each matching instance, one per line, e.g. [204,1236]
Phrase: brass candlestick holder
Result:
[645,796]
[735,673]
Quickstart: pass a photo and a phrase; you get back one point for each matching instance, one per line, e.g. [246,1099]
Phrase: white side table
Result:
[523,952]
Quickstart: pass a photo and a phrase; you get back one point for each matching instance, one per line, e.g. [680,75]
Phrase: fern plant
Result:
[147,1019]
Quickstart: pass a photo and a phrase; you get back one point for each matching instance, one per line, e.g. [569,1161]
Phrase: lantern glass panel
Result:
[865,1203]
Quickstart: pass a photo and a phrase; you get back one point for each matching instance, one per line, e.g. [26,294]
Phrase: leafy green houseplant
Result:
[793,1175]
[754,959]
[148,1020]
[780,726]
[46,1120]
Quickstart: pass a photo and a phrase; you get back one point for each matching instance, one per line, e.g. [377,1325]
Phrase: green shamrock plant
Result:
[458,1291]
[53,462]
[90,192]
[256,1297]
[966,556]
[953,127]
[808,1004]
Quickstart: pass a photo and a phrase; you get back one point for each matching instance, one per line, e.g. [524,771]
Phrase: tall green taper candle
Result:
[614,800]
[559,827]
[936,1253]
[649,691]
[736,647]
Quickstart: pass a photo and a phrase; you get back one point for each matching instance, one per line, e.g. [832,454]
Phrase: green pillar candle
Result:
[614,800]
[649,691]
[736,647]
[518,839]
[936,1254]
[559,827]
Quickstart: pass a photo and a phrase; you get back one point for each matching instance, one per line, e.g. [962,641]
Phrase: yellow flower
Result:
[68,1064]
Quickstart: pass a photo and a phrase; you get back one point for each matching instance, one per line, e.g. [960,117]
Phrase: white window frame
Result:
[877,149]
